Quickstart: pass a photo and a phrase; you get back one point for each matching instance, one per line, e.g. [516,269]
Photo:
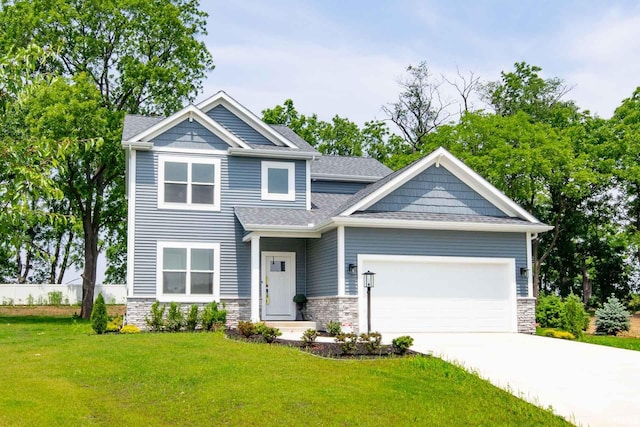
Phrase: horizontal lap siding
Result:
[239,128]
[322,261]
[189,135]
[290,245]
[240,188]
[434,243]
[336,187]
[436,190]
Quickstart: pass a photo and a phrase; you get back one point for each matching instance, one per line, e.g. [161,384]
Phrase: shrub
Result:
[247,328]
[55,298]
[156,321]
[130,329]
[372,341]
[268,333]
[634,303]
[114,324]
[300,298]
[612,317]
[401,344]
[574,317]
[593,302]
[334,328]
[99,315]
[553,333]
[192,318]
[549,310]
[212,317]
[348,342]
[175,318]
[309,337]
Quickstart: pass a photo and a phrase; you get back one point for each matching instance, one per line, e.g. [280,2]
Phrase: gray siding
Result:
[436,190]
[337,187]
[434,243]
[322,270]
[189,135]
[239,188]
[290,245]
[239,128]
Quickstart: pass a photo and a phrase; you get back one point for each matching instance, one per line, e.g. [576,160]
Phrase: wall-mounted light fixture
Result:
[524,271]
[353,269]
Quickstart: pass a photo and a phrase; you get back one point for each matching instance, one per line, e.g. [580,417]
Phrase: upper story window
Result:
[278,181]
[188,183]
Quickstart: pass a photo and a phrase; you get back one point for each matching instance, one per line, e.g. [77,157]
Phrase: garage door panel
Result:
[440,294]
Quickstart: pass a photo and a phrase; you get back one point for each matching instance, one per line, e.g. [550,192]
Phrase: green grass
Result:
[56,373]
[619,342]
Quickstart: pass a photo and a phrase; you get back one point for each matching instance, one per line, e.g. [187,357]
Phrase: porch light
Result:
[353,269]
[524,271]
[368,283]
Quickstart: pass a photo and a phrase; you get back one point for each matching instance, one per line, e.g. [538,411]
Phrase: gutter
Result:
[256,152]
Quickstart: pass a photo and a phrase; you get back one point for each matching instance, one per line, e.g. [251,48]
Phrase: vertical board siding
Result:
[290,245]
[337,187]
[436,190]
[239,188]
[322,265]
[434,243]
[189,135]
[236,126]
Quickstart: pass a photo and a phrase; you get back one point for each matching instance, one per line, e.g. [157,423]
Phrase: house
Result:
[225,207]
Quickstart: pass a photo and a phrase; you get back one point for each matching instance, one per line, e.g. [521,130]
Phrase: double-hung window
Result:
[188,183]
[278,181]
[189,271]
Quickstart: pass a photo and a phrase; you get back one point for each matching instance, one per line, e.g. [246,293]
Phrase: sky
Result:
[346,57]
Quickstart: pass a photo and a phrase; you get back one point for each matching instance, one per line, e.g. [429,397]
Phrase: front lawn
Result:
[56,373]
[628,343]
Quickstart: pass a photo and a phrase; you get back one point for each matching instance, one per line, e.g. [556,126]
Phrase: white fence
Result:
[14,294]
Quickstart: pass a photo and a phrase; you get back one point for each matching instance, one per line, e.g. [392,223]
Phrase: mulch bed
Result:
[323,349]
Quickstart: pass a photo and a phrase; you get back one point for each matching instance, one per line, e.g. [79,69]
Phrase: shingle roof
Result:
[349,166]
[135,124]
[293,137]
[328,201]
[424,216]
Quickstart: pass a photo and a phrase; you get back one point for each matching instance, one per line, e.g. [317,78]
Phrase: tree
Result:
[420,108]
[140,57]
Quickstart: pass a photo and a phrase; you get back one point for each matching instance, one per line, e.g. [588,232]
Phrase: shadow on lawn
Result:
[34,320]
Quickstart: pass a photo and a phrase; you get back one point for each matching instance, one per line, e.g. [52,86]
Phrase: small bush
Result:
[574,317]
[549,310]
[192,318]
[309,337]
[247,328]
[612,317]
[334,328]
[99,317]
[212,317]
[372,341]
[268,333]
[175,318]
[55,298]
[156,321]
[130,329]
[402,344]
[634,303]
[348,342]
[553,333]
[114,324]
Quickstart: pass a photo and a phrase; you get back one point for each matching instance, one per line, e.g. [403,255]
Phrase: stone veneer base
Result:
[326,309]
[527,315]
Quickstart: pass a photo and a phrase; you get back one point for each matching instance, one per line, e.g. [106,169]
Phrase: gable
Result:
[237,126]
[189,134]
[436,190]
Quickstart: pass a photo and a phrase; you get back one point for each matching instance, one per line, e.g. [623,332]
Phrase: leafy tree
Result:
[140,57]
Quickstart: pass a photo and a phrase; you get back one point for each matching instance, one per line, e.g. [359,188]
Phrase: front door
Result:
[278,285]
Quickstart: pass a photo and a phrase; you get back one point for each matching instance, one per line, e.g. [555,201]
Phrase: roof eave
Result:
[137,145]
[344,178]
[256,152]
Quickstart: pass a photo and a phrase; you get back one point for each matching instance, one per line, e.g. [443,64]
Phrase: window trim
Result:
[291,168]
[163,159]
[188,296]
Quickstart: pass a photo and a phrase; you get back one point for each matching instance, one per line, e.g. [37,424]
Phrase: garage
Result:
[439,294]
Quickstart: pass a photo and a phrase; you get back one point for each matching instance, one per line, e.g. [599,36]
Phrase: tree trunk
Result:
[586,284]
[90,266]
[536,267]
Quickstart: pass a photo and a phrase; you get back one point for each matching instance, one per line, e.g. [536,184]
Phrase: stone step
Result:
[292,326]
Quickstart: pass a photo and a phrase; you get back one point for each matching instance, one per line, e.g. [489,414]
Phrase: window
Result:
[278,181]
[188,271]
[187,183]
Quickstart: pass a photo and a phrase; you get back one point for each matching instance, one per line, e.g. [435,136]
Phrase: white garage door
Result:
[439,294]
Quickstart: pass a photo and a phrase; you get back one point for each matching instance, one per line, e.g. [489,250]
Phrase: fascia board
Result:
[256,152]
[345,178]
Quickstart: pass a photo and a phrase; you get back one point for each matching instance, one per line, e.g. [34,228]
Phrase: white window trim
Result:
[190,161]
[188,297]
[291,167]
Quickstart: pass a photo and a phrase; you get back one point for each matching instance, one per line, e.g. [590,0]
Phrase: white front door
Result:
[278,285]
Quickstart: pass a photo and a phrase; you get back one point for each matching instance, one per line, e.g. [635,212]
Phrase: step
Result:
[292,326]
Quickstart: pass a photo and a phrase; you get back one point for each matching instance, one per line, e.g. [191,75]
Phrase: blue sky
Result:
[345,57]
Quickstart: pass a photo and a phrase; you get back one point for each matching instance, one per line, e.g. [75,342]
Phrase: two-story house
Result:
[225,207]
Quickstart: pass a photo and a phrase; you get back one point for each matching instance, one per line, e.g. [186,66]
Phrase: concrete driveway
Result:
[587,384]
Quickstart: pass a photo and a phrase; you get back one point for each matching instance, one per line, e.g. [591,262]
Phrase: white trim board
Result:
[189,160]
[131,220]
